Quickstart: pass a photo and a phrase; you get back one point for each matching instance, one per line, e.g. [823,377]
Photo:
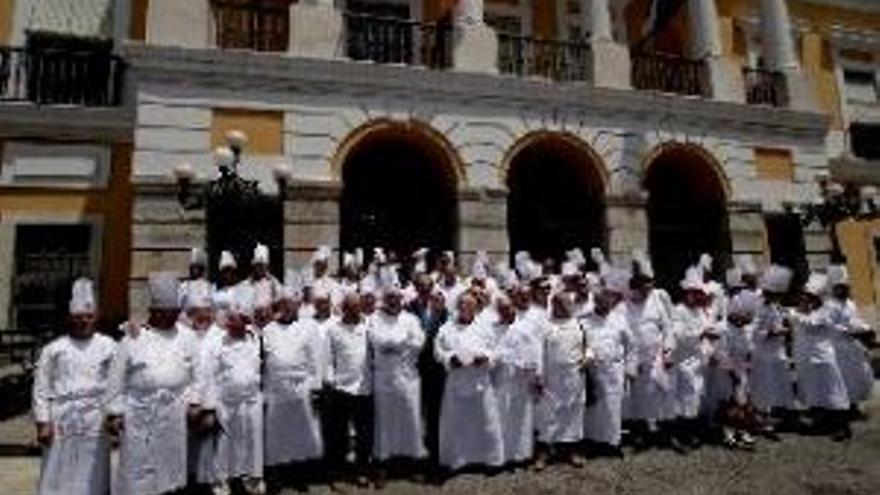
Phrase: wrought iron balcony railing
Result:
[391,40]
[669,74]
[260,26]
[58,77]
[765,87]
[557,60]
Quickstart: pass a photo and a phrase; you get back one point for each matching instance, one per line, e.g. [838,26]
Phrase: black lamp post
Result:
[838,202]
[231,202]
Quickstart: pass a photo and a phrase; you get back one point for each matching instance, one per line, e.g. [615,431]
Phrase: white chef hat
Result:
[616,280]
[292,288]
[389,280]
[693,279]
[164,288]
[198,256]
[244,300]
[599,258]
[322,254]
[746,264]
[227,260]
[733,278]
[838,275]
[705,263]
[82,297]
[817,284]
[576,256]
[198,294]
[642,264]
[261,255]
[776,279]
[594,282]
[570,269]
[349,261]
[479,270]
[744,304]
[368,285]
[379,256]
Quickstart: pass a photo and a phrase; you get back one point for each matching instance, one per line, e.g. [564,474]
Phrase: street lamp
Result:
[838,202]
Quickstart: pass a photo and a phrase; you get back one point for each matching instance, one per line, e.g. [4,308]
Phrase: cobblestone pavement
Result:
[796,465]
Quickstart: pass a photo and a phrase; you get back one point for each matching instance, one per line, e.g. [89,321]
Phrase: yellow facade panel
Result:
[265,129]
[7,13]
[774,164]
[857,245]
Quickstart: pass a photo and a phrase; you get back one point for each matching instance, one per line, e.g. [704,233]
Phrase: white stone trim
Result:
[8,224]
[55,165]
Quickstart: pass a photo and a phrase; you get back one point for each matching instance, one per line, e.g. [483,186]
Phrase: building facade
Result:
[498,125]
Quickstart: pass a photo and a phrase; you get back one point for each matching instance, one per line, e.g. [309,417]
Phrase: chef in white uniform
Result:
[70,389]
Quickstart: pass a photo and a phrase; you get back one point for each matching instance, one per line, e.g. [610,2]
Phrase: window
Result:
[48,258]
[860,85]
[504,24]
[774,164]
[261,25]
[865,140]
[787,248]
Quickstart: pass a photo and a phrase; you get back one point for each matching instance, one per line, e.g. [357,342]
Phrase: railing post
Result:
[179,23]
[725,79]
[780,54]
[475,45]
[316,30]
[610,60]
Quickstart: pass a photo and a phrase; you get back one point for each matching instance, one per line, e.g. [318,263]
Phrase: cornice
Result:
[278,72]
[26,120]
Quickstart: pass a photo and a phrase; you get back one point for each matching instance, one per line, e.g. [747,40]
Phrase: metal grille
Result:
[669,74]
[260,25]
[765,87]
[557,60]
[391,40]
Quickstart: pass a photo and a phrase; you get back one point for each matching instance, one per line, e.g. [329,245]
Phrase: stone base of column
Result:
[611,65]
[726,80]
[311,219]
[316,31]
[627,228]
[801,92]
[475,49]
[176,23]
[482,225]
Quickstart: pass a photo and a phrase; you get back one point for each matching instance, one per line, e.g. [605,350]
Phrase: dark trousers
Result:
[433,382]
[347,411]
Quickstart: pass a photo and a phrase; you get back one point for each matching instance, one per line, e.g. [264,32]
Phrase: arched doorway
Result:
[687,213]
[556,197]
[399,190]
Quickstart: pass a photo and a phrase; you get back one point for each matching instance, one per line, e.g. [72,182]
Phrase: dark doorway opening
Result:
[785,235]
[399,193]
[236,223]
[556,200]
[687,216]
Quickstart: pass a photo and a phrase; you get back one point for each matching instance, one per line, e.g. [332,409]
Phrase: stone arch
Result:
[557,188]
[687,210]
[400,183]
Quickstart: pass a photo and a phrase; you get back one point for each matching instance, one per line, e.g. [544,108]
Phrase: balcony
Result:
[765,87]
[259,26]
[561,61]
[669,74]
[60,77]
[392,40]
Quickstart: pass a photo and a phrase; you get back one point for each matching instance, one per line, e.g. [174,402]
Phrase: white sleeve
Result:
[43,385]
[115,400]
[443,351]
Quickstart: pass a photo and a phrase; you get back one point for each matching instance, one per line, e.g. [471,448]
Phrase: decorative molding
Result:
[273,72]
[55,164]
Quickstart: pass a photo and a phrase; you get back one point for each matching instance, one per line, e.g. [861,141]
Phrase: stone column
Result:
[475,44]
[627,221]
[176,23]
[311,219]
[725,76]
[316,30]
[611,64]
[162,234]
[482,224]
[780,54]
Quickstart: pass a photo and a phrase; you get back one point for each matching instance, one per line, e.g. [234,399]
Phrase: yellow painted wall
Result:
[774,164]
[112,204]
[673,39]
[138,26]
[265,129]
[7,11]
[544,19]
[818,65]
[856,243]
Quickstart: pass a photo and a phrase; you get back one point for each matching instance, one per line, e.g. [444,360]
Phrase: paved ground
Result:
[797,465]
